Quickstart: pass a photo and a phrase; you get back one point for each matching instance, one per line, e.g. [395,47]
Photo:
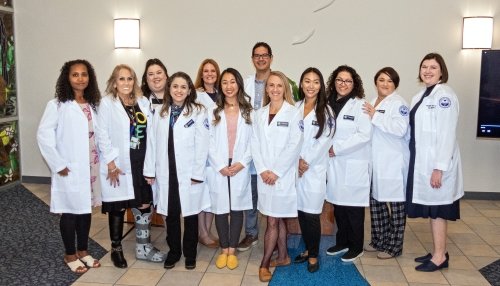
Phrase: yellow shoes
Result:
[232,261]
[221,261]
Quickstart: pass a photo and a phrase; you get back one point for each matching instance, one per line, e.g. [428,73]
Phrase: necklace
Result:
[130,110]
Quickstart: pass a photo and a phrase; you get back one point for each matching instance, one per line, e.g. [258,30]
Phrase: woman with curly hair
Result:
[349,170]
[67,136]
[176,160]
[125,117]
[207,86]
[229,156]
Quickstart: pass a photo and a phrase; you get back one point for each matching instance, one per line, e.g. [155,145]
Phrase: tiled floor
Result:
[473,243]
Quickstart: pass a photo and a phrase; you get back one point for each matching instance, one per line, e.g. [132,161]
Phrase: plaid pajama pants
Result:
[387,226]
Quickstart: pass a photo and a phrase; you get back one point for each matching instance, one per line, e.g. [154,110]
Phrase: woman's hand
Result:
[269,177]
[331,153]
[64,172]
[369,109]
[225,172]
[150,180]
[235,168]
[114,174]
[436,177]
[303,167]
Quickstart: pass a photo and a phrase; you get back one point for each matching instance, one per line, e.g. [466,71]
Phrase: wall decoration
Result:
[9,153]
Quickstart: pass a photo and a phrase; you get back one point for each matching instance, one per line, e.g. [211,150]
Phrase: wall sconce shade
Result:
[477,33]
[127,33]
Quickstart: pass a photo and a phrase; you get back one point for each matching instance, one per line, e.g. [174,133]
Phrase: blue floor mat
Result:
[332,270]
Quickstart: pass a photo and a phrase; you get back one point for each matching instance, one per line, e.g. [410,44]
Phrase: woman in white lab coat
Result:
[229,156]
[390,154]
[311,184]
[67,136]
[349,170]
[154,82]
[125,117]
[276,142]
[176,159]
[206,84]
[435,172]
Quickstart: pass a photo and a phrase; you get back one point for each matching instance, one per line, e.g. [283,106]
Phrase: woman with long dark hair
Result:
[311,185]
[176,159]
[229,156]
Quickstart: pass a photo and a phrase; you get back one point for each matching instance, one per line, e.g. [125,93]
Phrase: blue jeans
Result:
[251,216]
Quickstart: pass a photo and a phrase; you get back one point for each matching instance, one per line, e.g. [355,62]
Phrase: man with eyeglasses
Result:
[262,57]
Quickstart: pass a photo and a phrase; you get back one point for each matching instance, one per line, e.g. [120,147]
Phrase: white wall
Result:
[364,34]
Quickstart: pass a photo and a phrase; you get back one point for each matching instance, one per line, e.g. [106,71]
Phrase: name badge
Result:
[190,122]
[282,123]
[349,117]
[381,110]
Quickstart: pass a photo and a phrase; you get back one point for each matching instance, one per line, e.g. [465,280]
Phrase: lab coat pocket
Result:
[69,183]
[357,173]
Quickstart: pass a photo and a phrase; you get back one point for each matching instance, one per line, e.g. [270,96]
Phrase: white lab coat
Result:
[205,99]
[63,138]
[437,148]
[390,153]
[349,171]
[249,86]
[191,150]
[240,197]
[115,124]
[311,187]
[276,147]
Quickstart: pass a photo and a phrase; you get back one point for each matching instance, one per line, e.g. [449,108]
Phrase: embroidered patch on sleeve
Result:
[301,125]
[444,102]
[403,110]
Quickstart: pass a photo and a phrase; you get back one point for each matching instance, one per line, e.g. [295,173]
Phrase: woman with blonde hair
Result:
[276,143]
[124,115]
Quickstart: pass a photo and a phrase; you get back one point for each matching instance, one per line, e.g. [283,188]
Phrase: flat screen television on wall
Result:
[488,122]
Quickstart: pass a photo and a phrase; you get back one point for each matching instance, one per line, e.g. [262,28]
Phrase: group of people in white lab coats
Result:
[187,149]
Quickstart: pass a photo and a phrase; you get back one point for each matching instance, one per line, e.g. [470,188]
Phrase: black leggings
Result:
[310,225]
[72,225]
[229,228]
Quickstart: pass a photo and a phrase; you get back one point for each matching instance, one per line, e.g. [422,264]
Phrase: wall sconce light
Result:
[477,33]
[127,33]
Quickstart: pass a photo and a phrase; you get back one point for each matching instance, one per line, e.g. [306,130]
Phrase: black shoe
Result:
[428,257]
[351,255]
[170,262]
[313,267]
[190,263]
[429,266]
[118,258]
[337,249]
[301,258]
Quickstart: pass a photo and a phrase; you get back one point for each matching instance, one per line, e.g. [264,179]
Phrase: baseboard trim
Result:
[35,180]
[482,196]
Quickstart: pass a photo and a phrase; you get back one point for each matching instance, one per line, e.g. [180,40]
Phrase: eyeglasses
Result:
[263,56]
[340,81]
